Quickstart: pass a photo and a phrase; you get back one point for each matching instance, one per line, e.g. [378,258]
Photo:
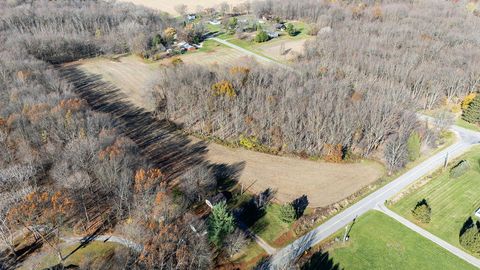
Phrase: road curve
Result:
[290,253]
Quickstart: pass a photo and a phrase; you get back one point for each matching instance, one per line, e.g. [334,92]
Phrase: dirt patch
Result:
[169,5]
[323,183]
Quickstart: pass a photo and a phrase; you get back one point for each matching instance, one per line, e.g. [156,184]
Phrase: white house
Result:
[191,17]
[477,214]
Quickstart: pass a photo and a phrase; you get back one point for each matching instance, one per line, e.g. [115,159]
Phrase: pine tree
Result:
[470,239]
[422,211]
[472,113]
[288,213]
[220,224]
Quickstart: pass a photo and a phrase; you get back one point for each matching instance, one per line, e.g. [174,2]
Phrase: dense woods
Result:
[63,164]
[346,97]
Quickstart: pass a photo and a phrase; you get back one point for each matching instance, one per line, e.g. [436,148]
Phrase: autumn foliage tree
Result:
[43,214]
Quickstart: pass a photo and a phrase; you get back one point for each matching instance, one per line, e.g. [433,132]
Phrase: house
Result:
[185,46]
[272,34]
[280,26]
[214,22]
[191,17]
[477,214]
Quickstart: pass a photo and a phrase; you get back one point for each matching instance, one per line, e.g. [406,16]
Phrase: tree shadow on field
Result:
[321,261]
[159,140]
[300,204]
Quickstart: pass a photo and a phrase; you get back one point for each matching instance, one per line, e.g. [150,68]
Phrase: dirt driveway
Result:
[323,183]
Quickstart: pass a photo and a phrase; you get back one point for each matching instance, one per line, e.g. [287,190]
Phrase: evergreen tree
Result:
[472,113]
[422,211]
[470,239]
[288,213]
[220,224]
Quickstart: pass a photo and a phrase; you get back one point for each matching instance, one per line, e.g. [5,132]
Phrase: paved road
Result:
[288,254]
[454,250]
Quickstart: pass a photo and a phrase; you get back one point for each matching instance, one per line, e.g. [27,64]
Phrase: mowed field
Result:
[380,242]
[169,5]
[323,183]
[452,200]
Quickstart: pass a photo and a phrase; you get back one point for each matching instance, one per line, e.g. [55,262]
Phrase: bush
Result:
[422,211]
[458,170]
[413,146]
[470,240]
[287,213]
[249,143]
[291,30]
[261,36]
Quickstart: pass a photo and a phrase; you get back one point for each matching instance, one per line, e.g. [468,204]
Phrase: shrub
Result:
[291,30]
[458,170]
[261,36]
[467,100]
[422,211]
[287,213]
[413,146]
[249,143]
[470,239]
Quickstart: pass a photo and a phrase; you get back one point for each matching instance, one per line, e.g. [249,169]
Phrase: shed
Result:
[477,214]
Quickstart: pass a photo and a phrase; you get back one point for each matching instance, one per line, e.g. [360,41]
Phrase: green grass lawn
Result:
[462,123]
[452,200]
[379,242]
[95,251]
[270,227]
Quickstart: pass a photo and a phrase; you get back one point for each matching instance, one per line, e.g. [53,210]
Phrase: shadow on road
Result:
[321,260]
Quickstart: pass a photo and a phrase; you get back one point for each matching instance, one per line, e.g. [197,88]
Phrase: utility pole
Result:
[345,235]
[446,161]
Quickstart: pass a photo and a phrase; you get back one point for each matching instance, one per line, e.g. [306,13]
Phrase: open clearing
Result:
[323,183]
[169,5]
[452,200]
[379,242]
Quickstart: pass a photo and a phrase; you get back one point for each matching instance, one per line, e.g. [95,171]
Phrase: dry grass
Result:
[291,49]
[323,183]
[169,5]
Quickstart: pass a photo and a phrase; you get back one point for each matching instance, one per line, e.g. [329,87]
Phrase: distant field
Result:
[169,5]
[323,183]
[379,242]
[94,254]
[452,200]
[133,74]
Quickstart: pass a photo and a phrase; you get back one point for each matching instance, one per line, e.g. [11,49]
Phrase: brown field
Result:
[323,183]
[292,48]
[169,5]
